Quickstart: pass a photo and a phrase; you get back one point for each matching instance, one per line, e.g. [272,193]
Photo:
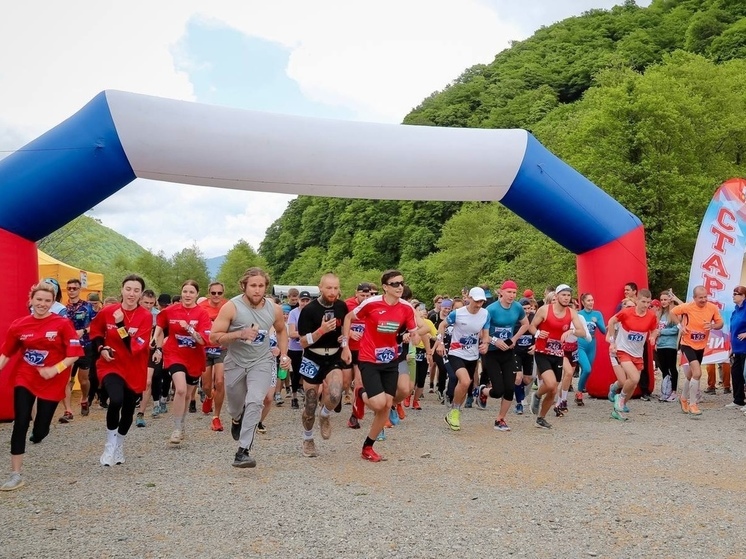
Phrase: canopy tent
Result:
[91,282]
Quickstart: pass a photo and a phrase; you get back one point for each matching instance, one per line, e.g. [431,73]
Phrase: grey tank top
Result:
[245,353]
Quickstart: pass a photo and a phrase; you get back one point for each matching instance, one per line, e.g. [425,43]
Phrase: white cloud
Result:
[379,59]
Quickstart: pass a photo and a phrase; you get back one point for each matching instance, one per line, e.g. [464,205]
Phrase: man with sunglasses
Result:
[383,316]
[213,377]
[80,313]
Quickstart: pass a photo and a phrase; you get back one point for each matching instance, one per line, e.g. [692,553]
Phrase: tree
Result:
[239,258]
[189,264]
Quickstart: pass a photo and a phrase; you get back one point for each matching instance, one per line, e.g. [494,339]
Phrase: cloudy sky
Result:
[365,61]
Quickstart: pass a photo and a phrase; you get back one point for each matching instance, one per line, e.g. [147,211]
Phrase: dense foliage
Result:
[649,103]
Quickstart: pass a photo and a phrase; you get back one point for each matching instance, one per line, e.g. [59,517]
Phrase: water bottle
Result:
[282,374]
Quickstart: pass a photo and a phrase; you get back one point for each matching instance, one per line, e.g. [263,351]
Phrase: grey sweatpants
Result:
[245,389]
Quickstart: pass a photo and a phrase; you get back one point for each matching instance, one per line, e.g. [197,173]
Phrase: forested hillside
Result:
[649,103]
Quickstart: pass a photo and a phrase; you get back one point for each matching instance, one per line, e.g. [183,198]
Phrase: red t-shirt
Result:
[180,348]
[357,325]
[382,323]
[44,343]
[212,313]
[130,363]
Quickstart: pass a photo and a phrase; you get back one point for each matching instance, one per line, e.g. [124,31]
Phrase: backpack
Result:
[666,388]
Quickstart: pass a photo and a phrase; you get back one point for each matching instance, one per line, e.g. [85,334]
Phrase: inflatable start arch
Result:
[119,136]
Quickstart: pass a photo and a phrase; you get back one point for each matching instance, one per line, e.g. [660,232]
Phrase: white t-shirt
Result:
[467,332]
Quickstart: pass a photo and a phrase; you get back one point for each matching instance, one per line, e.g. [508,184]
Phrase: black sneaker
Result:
[192,407]
[542,423]
[261,428]
[645,397]
[243,460]
[294,404]
[710,391]
[727,391]
[236,428]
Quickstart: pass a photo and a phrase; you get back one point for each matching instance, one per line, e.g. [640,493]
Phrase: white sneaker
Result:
[119,453]
[176,437]
[732,405]
[107,458]
[15,481]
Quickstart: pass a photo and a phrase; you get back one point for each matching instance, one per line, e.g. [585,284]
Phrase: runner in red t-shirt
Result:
[121,336]
[356,333]
[188,329]
[47,345]
[213,377]
[384,316]
[627,332]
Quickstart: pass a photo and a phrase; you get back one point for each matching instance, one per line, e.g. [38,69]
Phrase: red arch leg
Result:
[603,272]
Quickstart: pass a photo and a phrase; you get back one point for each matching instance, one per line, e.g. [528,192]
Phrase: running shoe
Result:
[645,397]
[294,404]
[207,406]
[67,417]
[107,457]
[400,411]
[416,405]
[156,410]
[353,422]
[243,460]
[325,425]
[612,393]
[453,419]
[119,453]
[579,399]
[535,403]
[382,435]
[358,405]
[202,394]
[563,406]
[84,410]
[279,400]
[542,423]
[469,401]
[694,410]
[732,405]
[407,401]
[236,427]
[558,412]
[480,398]
[500,425]
[164,407]
[618,403]
[176,437]
[519,409]
[140,420]
[394,417]
[192,407]
[261,428]
[288,394]
[727,391]
[618,416]
[684,403]
[15,481]
[309,449]
[370,455]
[432,388]
[216,424]
[440,396]
[710,391]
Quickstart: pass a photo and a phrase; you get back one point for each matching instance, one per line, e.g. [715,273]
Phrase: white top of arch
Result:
[184,142]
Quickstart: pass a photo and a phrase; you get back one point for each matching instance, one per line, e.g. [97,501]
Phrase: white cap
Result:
[563,287]
[477,294]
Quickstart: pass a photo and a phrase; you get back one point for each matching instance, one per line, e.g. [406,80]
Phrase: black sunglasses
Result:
[396,284]
[216,292]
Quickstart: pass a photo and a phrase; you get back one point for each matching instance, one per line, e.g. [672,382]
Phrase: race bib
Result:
[260,336]
[35,357]
[385,354]
[213,351]
[359,328]
[185,341]
[308,368]
[525,341]
[502,333]
[419,355]
[698,336]
[592,328]
[272,342]
[468,342]
[554,347]
[635,337]
[574,356]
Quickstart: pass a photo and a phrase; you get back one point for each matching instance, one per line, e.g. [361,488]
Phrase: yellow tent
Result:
[91,282]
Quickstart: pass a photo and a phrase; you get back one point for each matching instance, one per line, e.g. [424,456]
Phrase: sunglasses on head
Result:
[216,292]
[396,284]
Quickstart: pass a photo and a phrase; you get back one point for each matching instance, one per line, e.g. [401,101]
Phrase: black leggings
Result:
[667,365]
[295,360]
[500,368]
[121,399]
[420,367]
[160,384]
[23,400]
[442,372]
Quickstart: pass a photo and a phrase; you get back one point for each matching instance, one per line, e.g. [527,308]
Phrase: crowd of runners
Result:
[378,350]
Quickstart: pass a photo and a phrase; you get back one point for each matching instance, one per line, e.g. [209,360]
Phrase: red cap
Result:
[528,294]
[509,284]
[655,303]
